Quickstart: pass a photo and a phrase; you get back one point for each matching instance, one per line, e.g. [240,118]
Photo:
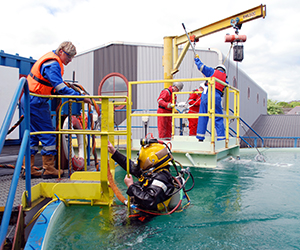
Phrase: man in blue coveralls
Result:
[220,73]
[45,78]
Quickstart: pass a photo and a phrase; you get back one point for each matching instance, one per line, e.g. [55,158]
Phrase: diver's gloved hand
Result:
[198,63]
[128,180]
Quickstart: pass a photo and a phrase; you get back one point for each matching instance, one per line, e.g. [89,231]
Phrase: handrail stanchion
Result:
[227,117]
[173,112]
[212,113]
[88,146]
[84,139]
[240,119]
[27,145]
[238,116]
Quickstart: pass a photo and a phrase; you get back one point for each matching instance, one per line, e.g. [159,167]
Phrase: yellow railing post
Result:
[128,149]
[111,128]
[59,143]
[238,117]
[84,137]
[104,152]
[212,111]
[173,118]
[128,116]
[226,93]
[168,60]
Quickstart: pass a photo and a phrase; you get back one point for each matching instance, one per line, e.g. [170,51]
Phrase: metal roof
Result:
[274,126]
[294,111]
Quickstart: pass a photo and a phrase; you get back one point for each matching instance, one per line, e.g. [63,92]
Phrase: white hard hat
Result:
[179,85]
[221,66]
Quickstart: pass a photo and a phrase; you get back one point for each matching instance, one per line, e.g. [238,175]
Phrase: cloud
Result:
[271,52]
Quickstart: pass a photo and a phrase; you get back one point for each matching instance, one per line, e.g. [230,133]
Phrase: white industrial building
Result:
[141,62]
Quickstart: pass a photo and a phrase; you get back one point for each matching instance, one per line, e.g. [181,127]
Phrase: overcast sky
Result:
[271,52]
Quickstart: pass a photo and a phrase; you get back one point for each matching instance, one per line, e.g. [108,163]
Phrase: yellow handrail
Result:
[211,105]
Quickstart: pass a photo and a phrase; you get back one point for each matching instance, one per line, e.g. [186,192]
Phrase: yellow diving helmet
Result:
[153,155]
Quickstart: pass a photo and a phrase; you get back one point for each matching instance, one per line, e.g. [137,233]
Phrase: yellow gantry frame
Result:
[211,106]
[171,61]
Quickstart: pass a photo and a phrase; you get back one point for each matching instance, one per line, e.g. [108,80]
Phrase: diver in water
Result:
[155,184]
[157,191]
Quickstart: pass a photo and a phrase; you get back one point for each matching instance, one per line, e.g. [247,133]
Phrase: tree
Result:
[274,108]
[294,104]
[284,104]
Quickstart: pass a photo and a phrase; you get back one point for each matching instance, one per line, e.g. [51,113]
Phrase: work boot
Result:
[49,170]
[35,172]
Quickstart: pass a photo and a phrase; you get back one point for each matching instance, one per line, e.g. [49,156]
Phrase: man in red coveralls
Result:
[164,123]
[194,104]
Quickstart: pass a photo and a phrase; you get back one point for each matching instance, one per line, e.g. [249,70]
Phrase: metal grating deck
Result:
[9,156]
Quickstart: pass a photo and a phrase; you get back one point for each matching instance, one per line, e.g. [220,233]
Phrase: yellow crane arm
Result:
[246,16]
[243,17]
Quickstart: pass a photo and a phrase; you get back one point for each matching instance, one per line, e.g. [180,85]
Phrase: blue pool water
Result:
[241,204]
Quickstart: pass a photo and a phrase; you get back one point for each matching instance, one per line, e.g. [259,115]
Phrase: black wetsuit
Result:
[150,191]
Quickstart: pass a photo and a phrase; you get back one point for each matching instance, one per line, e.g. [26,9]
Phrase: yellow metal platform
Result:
[81,188]
[192,153]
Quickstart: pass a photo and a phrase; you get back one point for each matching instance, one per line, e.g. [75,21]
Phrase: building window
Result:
[257,98]
[264,102]
[248,93]
[114,84]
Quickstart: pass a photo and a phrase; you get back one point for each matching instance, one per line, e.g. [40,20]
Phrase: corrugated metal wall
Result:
[116,58]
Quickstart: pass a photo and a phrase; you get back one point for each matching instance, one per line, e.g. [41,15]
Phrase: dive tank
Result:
[176,197]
